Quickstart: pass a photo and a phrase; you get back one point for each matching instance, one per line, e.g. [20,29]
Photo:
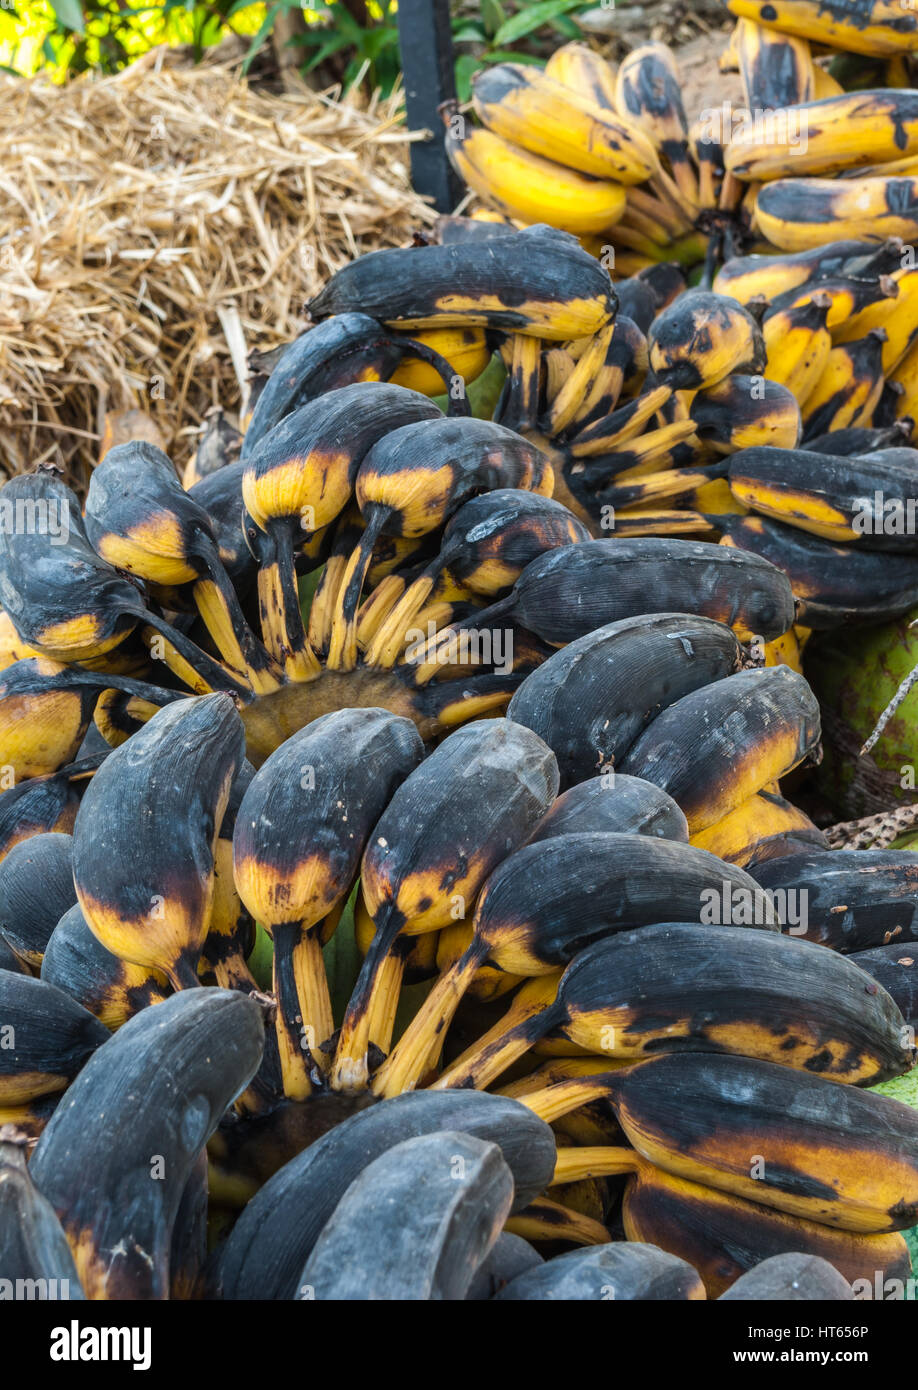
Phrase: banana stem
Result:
[389,640]
[544,1219]
[186,659]
[279,603]
[350,1069]
[384,1002]
[521,403]
[555,1101]
[406,1063]
[594,1161]
[621,426]
[475,622]
[224,619]
[342,642]
[304,1013]
[375,610]
[501,1045]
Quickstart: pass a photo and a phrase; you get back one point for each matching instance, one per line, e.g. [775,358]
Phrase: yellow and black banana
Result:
[411,482]
[827,136]
[854,899]
[849,501]
[561,598]
[848,392]
[581,700]
[719,745]
[648,92]
[545,117]
[743,411]
[769,276]
[847,1159]
[48,1038]
[724,1236]
[677,987]
[776,69]
[798,343]
[188,1058]
[145,834]
[275,1234]
[475,799]
[833,584]
[299,479]
[577,67]
[551,899]
[801,214]
[878,28]
[527,188]
[327,786]
[764,827]
[701,338]
[109,987]
[545,284]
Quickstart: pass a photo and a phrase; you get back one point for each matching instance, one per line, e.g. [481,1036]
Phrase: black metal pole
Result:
[426,47]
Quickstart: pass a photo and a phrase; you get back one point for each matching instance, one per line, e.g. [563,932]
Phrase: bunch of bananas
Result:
[258,699]
[609,156]
[613,157]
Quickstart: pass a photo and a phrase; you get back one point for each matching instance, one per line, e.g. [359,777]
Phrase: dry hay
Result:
[157,225]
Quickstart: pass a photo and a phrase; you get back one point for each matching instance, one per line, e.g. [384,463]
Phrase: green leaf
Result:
[532,18]
[507,55]
[470,33]
[566,27]
[342,959]
[493,15]
[69,15]
[465,68]
[262,957]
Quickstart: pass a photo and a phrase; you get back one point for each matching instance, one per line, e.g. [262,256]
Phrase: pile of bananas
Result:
[258,699]
[615,159]
[607,157]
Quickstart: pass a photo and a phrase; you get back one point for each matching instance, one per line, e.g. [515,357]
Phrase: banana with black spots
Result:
[478,797]
[722,743]
[47,1037]
[36,889]
[116,1157]
[590,701]
[800,214]
[833,584]
[34,1253]
[847,500]
[300,831]
[550,900]
[145,835]
[544,284]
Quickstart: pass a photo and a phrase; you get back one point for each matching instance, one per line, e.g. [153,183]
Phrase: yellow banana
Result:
[878,28]
[798,344]
[542,116]
[800,214]
[824,137]
[534,189]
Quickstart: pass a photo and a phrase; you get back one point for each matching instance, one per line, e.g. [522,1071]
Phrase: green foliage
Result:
[73,36]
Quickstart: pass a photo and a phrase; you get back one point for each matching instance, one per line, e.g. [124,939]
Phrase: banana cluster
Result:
[609,156]
[436,727]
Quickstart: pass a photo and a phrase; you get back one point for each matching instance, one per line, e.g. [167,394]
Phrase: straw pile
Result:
[158,225]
